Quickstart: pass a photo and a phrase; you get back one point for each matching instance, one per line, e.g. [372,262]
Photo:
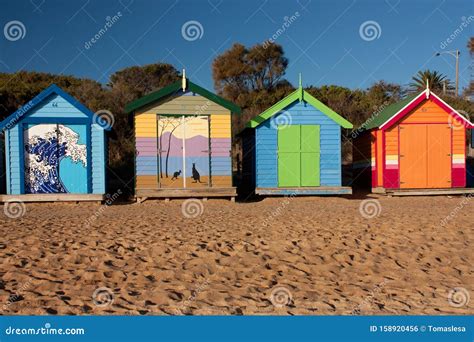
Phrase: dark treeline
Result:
[253,78]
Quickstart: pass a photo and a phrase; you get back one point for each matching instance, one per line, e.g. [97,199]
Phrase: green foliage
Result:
[437,81]
[470,46]
[242,75]
[250,77]
[126,85]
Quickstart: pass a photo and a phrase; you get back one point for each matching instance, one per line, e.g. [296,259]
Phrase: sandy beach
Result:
[278,256]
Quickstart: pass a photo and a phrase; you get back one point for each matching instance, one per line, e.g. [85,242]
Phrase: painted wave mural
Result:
[46,145]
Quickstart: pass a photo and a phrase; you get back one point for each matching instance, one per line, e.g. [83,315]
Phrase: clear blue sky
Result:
[323,41]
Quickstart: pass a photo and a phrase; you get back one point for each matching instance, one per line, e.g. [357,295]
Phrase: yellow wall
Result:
[220,126]
[145,125]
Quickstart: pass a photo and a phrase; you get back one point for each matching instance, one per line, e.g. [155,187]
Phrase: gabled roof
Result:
[178,86]
[378,119]
[24,111]
[298,95]
[393,113]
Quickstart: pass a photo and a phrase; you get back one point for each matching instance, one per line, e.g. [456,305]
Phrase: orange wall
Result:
[459,142]
[427,112]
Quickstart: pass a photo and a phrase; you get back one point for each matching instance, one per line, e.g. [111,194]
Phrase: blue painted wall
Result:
[99,159]
[298,113]
[54,109]
[2,167]
[13,161]
[55,106]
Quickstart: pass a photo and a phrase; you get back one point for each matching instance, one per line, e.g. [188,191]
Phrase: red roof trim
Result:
[460,118]
[404,111]
[419,99]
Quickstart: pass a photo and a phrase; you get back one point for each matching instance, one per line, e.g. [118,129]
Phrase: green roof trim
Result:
[377,120]
[298,95]
[174,87]
[326,110]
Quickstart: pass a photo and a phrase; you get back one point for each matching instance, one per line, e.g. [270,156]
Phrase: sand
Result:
[278,256]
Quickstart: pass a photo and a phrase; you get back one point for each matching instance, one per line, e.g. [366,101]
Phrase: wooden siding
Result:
[459,166]
[146,160]
[2,166]
[391,176]
[99,159]
[426,112]
[187,103]
[299,114]
[221,146]
[379,157]
[373,161]
[459,145]
[147,149]
[14,161]
[55,106]
[53,109]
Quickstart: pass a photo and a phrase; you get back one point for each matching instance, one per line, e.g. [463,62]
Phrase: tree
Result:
[136,81]
[241,72]
[470,46]
[14,94]
[437,81]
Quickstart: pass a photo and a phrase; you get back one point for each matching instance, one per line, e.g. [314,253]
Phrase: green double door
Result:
[299,156]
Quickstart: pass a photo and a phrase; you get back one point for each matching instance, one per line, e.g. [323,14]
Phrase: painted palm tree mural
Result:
[184,156]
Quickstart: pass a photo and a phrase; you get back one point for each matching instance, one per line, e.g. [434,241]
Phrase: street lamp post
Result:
[455,54]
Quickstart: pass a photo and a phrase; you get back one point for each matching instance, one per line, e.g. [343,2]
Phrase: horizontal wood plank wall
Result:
[14,163]
[188,103]
[55,106]
[266,147]
[146,162]
[373,161]
[299,113]
[98,159]
[221,145]
[459,157]
[392,174]
[427,112]
[379,151]
[2,167]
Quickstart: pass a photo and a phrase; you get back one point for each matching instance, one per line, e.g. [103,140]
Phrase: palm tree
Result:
[437,81]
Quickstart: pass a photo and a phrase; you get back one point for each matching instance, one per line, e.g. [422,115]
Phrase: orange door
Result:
[425,156]
[413,157]
[439,156]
